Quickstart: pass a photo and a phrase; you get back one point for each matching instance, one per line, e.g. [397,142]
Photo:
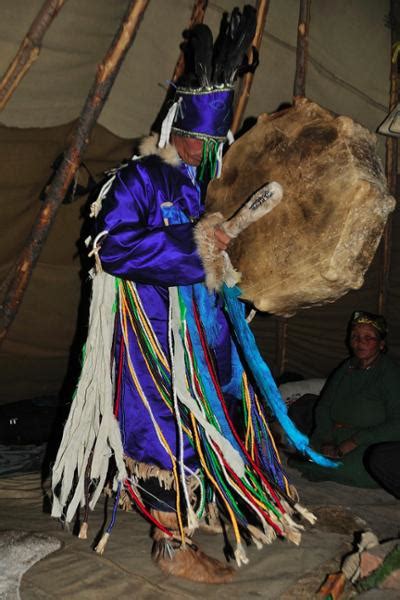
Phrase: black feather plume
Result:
[198,50]
[221,48]
[207,64]
[233,41]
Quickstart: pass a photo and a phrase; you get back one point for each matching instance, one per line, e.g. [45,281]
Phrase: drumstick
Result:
[259,204]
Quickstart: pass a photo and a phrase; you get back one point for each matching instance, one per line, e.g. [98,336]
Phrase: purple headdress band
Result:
[204,113]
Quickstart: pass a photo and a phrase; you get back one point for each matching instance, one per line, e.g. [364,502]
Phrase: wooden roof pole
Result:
[107,71]
[247,81]
[281,345]
[299,90]
[29,49]
[391,175]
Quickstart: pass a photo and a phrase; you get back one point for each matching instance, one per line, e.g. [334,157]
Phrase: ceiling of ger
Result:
[345,74]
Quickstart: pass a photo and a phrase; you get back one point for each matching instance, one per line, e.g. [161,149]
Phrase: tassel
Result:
[257,542]
[306,514]
[83,531]
[261,538]
[167,124]
[240,555]
[192,519]
[292,530]
[213,513]
[257,536]
[294,536]
[291,524]
[213,519]
[101,546]
[211,522]
[219,160]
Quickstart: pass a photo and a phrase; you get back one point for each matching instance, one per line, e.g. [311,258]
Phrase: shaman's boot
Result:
[185,560]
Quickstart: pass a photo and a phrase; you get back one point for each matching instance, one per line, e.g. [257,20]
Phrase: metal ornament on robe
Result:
[318,243]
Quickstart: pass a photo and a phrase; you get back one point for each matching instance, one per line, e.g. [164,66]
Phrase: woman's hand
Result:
[346,447]
[332,451]
[329,450]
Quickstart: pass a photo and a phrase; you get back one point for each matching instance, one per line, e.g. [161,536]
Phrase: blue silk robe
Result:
[142,247]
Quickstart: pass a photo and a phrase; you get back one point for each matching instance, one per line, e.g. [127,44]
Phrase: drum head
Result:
[318,242]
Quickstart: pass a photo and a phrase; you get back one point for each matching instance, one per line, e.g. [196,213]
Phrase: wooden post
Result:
[247,81]
[391,175]
[281,345]
[106,74]
[299,88]
[29,49]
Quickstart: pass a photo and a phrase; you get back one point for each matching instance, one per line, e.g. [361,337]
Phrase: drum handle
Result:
[259,204]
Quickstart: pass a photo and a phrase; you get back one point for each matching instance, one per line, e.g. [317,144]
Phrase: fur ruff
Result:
[217,264]
[145,471]
[149,146]
[165,478]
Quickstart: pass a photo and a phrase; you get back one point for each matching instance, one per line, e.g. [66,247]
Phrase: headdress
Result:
[203,102]
[377,321]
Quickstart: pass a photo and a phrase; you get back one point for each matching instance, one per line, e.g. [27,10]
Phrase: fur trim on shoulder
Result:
[149,146]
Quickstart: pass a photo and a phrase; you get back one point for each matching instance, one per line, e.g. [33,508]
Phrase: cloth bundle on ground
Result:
[373,565]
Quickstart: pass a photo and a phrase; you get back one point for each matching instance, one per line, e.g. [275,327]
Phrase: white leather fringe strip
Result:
[91,434]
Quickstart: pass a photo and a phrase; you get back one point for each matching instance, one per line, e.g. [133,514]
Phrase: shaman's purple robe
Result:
[142,247]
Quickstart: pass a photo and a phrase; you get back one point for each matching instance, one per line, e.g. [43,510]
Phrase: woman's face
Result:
[365,343]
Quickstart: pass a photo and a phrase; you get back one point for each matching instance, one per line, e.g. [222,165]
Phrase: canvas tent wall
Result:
[348,72]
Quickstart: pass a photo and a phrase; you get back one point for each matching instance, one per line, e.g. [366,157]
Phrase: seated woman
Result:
[359,406]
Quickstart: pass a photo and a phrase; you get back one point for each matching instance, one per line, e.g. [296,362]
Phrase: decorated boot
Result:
[183,558]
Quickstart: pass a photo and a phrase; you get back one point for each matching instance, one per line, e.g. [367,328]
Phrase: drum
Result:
[317,243]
